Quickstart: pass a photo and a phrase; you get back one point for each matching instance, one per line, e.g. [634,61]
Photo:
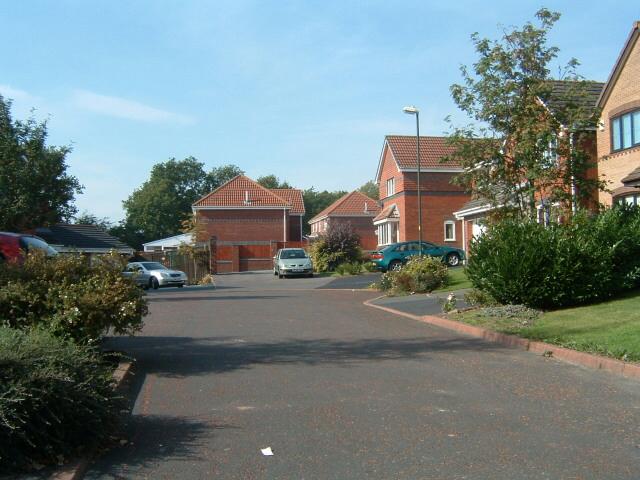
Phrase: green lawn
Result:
[610,328]
[457,280]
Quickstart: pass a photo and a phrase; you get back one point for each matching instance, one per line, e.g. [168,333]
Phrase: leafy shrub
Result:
[70,297]
[479,298]
[56,399]
[370,266]
[589,259]
[349,268]
[340,244]
[419,275]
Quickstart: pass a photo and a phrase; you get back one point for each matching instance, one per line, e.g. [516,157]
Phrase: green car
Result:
[394,256]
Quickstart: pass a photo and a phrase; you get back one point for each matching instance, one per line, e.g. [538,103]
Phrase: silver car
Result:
[138,275]
[161,276]
[292,261]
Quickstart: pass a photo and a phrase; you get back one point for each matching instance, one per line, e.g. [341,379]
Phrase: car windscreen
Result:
[153,266]
[33,243]
[285,254]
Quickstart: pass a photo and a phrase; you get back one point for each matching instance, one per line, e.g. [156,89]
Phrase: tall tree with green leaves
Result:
[370,189]
[271,181]
[35,188]
[510,155]
[159,206]
[88,218]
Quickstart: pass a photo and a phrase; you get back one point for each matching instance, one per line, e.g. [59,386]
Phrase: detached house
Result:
[244,210]
[619,134]
[354,208]
[397,181]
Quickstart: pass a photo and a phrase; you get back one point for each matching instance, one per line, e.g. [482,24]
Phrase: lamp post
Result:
[411,110]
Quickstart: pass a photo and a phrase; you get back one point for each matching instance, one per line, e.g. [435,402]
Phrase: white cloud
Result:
[123,108]
[8,91]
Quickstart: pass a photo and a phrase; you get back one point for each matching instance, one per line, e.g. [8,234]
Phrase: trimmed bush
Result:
[419,275]
[70,297]
[340,244]
[370,266]
[350,268]
[587,260]
[56,399]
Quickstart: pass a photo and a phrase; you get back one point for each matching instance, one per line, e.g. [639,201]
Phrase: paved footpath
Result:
[343,391]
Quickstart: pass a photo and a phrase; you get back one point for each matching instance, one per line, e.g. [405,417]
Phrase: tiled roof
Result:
[633,177]
[351,204]
[565,91]
[475,203]
[80,237]
[294,197]
[241,192]
[621,191]
[387,212]
[432,150]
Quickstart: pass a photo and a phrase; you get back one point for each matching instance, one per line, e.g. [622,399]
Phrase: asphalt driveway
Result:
[342,391]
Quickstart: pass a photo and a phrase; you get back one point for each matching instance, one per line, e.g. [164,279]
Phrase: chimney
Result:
[246,198]
[366,207]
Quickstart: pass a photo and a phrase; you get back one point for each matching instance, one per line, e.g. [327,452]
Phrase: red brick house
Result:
[248,221]
[397,181]
[354,208]
[244,210]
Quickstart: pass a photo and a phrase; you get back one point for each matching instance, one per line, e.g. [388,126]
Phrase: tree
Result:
[158,207]
[511,159]
[87,218]
[35,188]
[271,181]
[370,189]
[220,175]
[315,202]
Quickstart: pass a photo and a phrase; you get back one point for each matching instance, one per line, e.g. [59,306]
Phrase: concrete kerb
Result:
[76,470]
[587,360]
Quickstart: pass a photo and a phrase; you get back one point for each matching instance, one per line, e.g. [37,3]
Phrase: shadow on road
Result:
[211,298]
[183,356]
[153,439]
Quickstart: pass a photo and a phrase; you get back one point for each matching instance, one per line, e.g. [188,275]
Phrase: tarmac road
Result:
[342,391]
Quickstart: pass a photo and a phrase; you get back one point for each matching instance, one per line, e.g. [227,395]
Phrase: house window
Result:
[387,233]
[391,186]
[629,200]
[449,231]
[551,153]
[625,131]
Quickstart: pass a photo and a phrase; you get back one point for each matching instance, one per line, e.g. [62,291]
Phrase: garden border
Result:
[588,360]
[77,469]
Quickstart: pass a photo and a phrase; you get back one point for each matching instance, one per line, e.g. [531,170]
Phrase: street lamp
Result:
[411,110]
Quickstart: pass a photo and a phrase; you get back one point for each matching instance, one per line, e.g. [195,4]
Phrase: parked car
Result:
[292,261]
[139,276]
[13,246]
[159,275]
[396,255]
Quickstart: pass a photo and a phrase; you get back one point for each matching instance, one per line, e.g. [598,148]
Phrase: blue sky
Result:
[305,90]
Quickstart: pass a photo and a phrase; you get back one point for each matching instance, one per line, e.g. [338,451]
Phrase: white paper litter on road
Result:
[267,452]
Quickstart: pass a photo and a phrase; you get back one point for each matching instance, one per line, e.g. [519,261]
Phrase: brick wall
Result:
[625,94]
[389,170]
[243,225]
[294,228]
[364,227]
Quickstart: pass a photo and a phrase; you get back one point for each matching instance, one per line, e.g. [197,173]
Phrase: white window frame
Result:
[391,186]
[386,233]
[453,226]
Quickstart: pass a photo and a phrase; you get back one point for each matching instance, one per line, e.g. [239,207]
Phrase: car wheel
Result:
[280,276]
[153,283]
[310,275]
[395,265]
[453,259]
[181,285]
[275,271]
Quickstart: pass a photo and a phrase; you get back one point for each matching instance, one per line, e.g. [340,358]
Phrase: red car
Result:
[13,246]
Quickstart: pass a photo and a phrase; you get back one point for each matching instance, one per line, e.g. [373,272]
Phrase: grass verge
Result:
[609,328]
[457,280]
